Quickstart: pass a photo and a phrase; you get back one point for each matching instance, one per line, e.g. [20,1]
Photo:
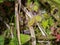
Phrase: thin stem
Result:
[33,38]
[17,22]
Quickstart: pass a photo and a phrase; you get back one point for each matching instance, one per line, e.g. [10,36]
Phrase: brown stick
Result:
[17,22]
[33,38]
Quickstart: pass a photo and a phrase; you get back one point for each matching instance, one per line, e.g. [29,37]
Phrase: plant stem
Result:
[33,38]
[17,22]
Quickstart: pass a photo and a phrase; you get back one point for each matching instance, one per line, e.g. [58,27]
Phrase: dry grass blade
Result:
[17,22]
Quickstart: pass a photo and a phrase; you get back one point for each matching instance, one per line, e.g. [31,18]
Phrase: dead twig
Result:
[17,22]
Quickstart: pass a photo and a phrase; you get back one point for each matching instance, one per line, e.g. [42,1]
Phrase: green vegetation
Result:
[24,22]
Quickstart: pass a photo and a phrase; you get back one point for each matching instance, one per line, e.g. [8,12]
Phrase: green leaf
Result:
[57,1]
[35,19]
[51,21]
[1,1]
[24,38]
[11,42]
[14,41]
[46,16]
[38,18]
[1,40]
[28,2]
[31,22]
[45,24]
[36,6]
[48,31]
